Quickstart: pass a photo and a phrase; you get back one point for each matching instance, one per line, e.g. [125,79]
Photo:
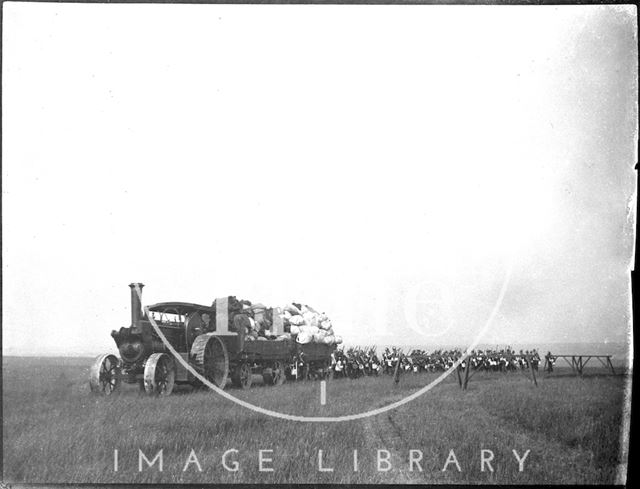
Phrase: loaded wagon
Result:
[211,339]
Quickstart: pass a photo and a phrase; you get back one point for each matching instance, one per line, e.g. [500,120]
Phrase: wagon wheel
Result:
[159,375]
[274,375]
[210,357]
[104,374]
[241,376]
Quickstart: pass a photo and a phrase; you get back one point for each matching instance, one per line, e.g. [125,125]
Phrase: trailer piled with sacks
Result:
[308,325]
[232,338]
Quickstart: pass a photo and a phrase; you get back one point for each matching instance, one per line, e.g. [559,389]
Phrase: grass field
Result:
[54,431]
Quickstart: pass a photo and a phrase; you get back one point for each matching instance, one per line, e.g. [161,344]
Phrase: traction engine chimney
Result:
[136,303]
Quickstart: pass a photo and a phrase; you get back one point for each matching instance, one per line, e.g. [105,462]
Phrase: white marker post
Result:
[323,392]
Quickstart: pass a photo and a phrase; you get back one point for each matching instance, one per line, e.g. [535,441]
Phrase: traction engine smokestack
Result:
[136,303]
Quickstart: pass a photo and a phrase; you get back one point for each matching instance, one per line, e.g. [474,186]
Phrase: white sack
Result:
[292,309]
[304,338]
[319,336]
[310,318]
[326,324]
[310,330]
[329,339]
[296,320]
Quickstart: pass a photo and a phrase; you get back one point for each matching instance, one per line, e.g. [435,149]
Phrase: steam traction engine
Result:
[211,339]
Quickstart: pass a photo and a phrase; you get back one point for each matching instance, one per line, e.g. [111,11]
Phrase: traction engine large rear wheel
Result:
[103,375]
[210,357]
[159,375]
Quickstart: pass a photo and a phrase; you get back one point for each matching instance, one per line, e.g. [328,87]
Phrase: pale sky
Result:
[384,164]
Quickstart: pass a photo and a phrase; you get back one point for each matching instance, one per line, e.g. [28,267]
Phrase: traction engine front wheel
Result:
[104,374]
[159,375]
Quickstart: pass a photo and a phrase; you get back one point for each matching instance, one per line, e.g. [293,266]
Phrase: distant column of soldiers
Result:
[357,362]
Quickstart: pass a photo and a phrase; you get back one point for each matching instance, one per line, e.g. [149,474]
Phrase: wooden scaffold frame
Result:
[578,362]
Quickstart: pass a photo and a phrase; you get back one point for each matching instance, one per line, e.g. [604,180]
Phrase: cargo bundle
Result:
[308,325]
[299,322]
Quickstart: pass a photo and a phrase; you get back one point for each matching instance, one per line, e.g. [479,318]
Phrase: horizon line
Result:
[361,345]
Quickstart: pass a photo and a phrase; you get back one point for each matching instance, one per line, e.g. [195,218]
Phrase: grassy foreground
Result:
[56,432]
